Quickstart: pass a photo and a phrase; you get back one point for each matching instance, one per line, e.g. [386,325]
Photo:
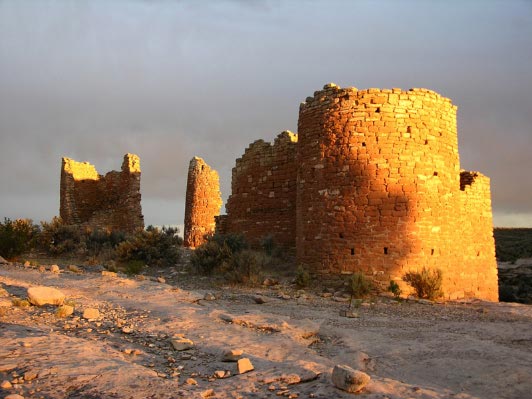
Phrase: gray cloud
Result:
[167,80]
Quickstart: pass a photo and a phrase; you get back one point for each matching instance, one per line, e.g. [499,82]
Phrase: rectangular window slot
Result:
[385,250]
[432,251]
[352,251]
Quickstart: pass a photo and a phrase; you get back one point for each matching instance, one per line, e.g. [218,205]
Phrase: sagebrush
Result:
[426,283]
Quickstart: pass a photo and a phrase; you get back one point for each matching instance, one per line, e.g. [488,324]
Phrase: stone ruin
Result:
[112,202]
[372,183]
[203,202]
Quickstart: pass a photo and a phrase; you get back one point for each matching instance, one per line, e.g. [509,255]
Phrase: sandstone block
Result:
[91,313]
[348,379]
[41,295]
[244,365]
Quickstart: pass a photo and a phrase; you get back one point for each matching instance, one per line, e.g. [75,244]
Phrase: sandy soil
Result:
[410,350]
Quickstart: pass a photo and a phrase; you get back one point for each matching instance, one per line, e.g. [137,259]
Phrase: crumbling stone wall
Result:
[380,190]
[203,202]
[263,192]
[88,199]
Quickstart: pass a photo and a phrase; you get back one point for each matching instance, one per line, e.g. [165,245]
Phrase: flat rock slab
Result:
[41,295]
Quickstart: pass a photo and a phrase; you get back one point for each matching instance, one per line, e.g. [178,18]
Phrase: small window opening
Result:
[352,251]
[478,253]
[202,167]
[435,173]
[432,251]
[363,144]
[378,110]
[426,142]
[385,250]
[341,235]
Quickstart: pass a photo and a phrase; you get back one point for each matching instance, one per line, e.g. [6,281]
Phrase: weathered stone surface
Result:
[14,396]
[45,296]
[244,365]
[380,191]
[262,203]
[88,199]
[349,380]
[203,202]
[91,313]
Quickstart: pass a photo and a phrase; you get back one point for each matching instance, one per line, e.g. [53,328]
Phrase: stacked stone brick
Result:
[90,200]
[263,192]
[203,202]
[380,190]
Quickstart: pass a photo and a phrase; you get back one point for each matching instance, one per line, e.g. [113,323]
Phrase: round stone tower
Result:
[380,191]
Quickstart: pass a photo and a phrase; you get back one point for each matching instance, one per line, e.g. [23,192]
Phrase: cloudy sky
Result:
[167,80]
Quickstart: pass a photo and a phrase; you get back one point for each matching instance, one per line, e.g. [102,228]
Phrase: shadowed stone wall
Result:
[263,192]
[380,190]
[88,199]
[203,202]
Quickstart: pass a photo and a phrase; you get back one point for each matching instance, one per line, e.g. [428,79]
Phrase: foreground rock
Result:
[348,379]
[244,365]
[41,295]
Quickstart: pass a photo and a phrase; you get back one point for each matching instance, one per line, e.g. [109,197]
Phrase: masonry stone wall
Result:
[88,199]
[263,192]
[380,190]
[203,202]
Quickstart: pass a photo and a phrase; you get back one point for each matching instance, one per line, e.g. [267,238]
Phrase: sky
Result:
[169,80]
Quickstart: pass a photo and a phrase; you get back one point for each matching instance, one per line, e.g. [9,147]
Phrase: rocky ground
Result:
[138,344]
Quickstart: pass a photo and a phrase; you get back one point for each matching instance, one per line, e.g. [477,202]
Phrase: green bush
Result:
[358,285]
[302,279]
[395,289]
[153,246]
[245,267]
[16,236]
[217,252]
[57,238]
[426,284]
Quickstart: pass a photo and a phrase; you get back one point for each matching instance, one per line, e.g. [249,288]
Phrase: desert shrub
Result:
[133,266]
[235,242]
[57,238]
[394,289]
[302,277]
[359,285]
[153,246]
[245,267]
[426,284]
[217,252]
[16,236]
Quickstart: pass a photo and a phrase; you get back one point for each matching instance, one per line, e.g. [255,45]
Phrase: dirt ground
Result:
[294,339]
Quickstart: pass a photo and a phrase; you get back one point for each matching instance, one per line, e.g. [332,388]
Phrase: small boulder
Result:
[161,280]
[3,261]
[182,344]
[41,295]
[74,269]
[348,379]
[107,273]
[209,296]
[64,311]
[27,263]
[260,299]
[14,396]
[91,313]
[55,269]
[232,355]
[244,365]
[6,385]
[270,282]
